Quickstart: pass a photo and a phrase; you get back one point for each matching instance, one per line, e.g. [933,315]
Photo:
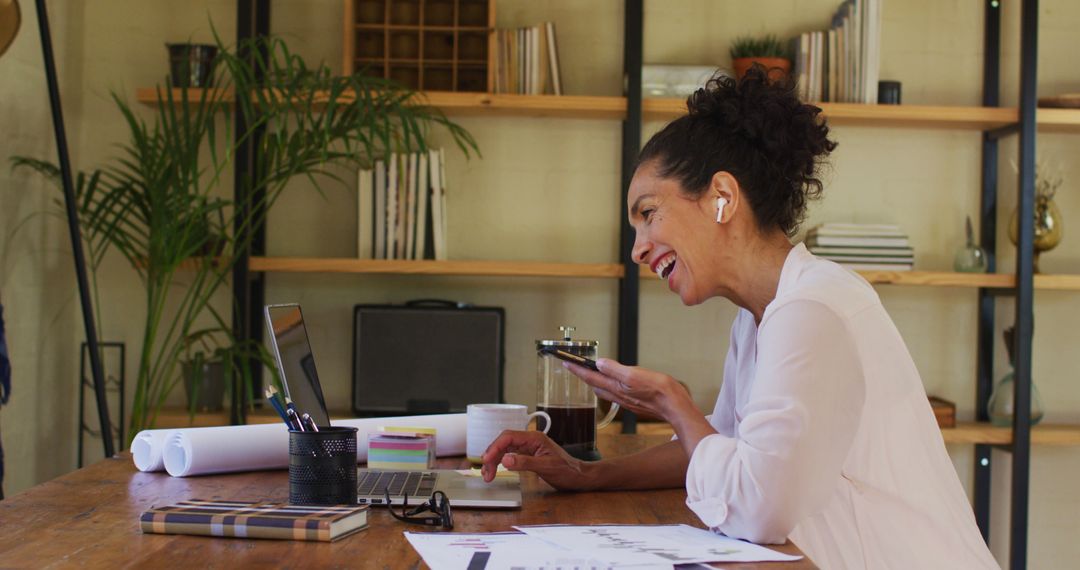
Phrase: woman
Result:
[822,432]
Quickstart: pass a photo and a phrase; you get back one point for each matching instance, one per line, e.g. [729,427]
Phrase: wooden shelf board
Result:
[429,267]
[978,432]
[598,107]
[919,116]
[1058,120]
[172,417]
[477,104]
[939,278]
[950,279]
[963,433]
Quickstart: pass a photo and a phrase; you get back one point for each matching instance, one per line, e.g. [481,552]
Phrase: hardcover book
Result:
[256,520]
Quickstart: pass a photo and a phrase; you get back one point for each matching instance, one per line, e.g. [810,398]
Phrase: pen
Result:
[295,415]
[310,422]
[294,422]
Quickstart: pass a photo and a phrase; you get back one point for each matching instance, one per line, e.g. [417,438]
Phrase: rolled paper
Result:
[226,449]
[147,448]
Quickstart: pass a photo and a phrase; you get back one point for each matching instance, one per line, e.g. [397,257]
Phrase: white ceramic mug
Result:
[485,422]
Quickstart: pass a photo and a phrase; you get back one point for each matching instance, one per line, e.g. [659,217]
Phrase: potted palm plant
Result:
[159,204]
[769,51]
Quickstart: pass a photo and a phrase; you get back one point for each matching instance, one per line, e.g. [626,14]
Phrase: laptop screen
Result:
[295,361]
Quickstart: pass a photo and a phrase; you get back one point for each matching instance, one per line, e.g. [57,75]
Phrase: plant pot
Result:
[777,67]
[206,390]
[191,65]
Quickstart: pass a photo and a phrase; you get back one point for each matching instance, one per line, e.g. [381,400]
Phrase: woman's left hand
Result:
[637,389]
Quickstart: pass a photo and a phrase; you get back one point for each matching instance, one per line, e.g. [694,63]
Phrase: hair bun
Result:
[757,129]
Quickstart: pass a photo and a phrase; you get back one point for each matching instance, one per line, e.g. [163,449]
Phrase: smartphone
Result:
[570,357]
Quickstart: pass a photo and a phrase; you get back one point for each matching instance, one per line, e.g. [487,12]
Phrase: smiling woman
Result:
[822,432]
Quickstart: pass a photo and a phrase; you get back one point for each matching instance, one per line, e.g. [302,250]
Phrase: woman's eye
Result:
[647,214]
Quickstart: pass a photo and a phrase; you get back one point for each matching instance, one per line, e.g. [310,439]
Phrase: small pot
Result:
[776,67]
[191,65]
[207,392]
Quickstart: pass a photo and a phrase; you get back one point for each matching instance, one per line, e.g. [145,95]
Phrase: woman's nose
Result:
[640,253]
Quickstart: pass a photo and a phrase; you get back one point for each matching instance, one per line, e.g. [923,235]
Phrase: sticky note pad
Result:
[401,451]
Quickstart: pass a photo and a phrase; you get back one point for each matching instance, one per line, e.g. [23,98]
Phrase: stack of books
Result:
[401,207]
[842,63]
[866,247]
[527,61]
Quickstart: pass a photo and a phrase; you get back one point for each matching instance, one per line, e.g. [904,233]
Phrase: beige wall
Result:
[549,190]
[37,285]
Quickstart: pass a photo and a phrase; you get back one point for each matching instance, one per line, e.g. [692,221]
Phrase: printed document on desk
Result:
[655,544]
[503,551]
[595,547]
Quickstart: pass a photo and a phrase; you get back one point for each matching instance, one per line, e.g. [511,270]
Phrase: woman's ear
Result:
[724,192]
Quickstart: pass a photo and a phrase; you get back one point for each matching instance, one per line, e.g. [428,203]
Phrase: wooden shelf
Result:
[950,279]
[1058,120]
[168,418]
[1048,434]
[590,107]
[969,433]
[977,118]
[428,267]
[477,104]
[939,279]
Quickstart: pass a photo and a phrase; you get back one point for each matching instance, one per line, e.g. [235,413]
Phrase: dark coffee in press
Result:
[572,427]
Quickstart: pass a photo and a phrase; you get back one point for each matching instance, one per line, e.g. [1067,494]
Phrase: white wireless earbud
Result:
[720,203]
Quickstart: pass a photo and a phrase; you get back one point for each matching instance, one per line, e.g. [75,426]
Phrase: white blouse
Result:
[825,435]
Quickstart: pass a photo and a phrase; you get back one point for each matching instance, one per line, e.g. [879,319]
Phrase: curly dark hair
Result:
[757,129]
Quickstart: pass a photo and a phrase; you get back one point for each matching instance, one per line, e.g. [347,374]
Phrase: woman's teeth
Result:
[665,267]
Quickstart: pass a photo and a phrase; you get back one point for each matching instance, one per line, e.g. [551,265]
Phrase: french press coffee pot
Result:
[568,401]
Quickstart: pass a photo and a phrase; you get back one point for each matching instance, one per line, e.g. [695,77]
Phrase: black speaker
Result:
[426,357]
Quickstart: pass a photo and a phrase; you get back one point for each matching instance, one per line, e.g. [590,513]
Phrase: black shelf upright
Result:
[252,21]
[1025,287]
[1025,284]
[629,285]
[984,374]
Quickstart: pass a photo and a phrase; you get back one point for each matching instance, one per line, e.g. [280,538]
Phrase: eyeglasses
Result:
[437,509]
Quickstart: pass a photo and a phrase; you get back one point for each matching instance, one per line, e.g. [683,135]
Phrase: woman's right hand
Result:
[535,451]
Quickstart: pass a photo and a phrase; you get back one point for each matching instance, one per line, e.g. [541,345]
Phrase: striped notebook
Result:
[256,520]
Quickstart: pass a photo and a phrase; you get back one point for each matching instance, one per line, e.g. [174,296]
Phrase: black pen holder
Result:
[322,466]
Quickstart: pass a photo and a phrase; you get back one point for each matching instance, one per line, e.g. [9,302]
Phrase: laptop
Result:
[296,364]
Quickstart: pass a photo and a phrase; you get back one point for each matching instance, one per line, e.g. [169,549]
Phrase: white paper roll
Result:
[226,449]
[147,448]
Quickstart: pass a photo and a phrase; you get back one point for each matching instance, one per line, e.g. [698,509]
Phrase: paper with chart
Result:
[656,544]
[505,551]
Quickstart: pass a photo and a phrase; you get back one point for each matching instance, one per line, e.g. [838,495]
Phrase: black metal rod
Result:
[984,368]
[73,229]
[629,285]
[1025,290]
[252,20]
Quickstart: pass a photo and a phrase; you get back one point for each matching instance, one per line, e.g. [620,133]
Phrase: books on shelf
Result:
[867,247]
[401,209]
[256,520]
[843,63]
[527,61]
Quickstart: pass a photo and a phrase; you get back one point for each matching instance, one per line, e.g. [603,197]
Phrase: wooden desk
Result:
[90,517]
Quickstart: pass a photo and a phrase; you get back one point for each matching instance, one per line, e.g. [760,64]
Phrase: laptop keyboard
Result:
[409,483]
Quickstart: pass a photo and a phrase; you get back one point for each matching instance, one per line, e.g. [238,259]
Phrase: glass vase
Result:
[1002,406]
